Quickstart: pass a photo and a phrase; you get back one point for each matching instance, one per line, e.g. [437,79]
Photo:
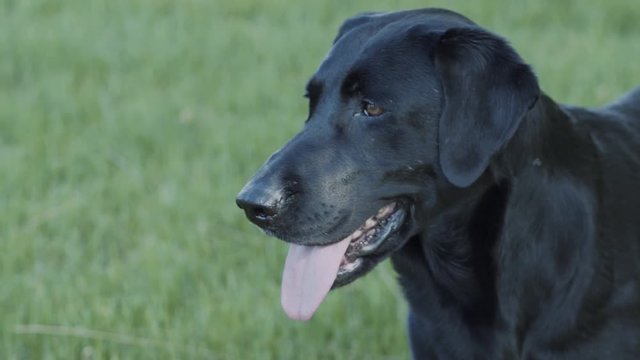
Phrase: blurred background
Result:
[128,126]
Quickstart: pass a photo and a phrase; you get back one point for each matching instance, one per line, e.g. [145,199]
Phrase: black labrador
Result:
[513,222]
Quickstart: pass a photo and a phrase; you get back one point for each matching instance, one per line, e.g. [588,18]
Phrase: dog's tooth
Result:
[370,223]
[369,237]
[382,211]
[356,234]
[350,266]
[388,209]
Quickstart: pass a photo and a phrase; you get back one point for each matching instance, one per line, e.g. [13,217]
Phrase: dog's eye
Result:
[371,109]
[313,99]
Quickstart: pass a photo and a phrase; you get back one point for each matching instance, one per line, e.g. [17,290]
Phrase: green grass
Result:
[128,126]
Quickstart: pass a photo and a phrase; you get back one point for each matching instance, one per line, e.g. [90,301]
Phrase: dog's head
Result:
[405,108]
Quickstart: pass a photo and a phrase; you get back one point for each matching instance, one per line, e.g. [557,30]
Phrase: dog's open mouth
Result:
[311,271]
[368,238]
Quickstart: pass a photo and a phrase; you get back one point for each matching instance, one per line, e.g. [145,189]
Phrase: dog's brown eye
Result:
[371,109]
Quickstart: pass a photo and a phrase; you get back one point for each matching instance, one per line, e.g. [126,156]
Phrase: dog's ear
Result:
[488,89]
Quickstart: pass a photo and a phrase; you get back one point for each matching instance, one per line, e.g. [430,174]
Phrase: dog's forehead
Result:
[349,48]
[379,31]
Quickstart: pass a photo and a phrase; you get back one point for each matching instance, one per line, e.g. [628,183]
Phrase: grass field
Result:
[128,126]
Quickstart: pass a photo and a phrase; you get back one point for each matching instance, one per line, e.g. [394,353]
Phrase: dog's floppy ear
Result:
[487,91]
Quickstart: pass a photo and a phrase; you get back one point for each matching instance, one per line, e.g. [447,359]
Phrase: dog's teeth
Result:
[348,267]
[388,209]
[370,223]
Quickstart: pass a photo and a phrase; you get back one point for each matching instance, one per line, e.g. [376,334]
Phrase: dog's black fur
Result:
[523,239]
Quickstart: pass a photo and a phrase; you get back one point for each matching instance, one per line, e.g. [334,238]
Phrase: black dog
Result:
[512,221]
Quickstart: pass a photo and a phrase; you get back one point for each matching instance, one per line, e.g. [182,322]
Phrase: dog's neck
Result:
[455,256]
[545,128]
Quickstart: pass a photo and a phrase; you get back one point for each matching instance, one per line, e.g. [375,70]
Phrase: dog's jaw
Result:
[311,271]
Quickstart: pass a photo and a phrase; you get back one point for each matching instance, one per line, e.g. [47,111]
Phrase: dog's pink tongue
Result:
[309,272]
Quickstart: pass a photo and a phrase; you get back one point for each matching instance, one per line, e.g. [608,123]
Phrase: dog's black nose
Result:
[261,205]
